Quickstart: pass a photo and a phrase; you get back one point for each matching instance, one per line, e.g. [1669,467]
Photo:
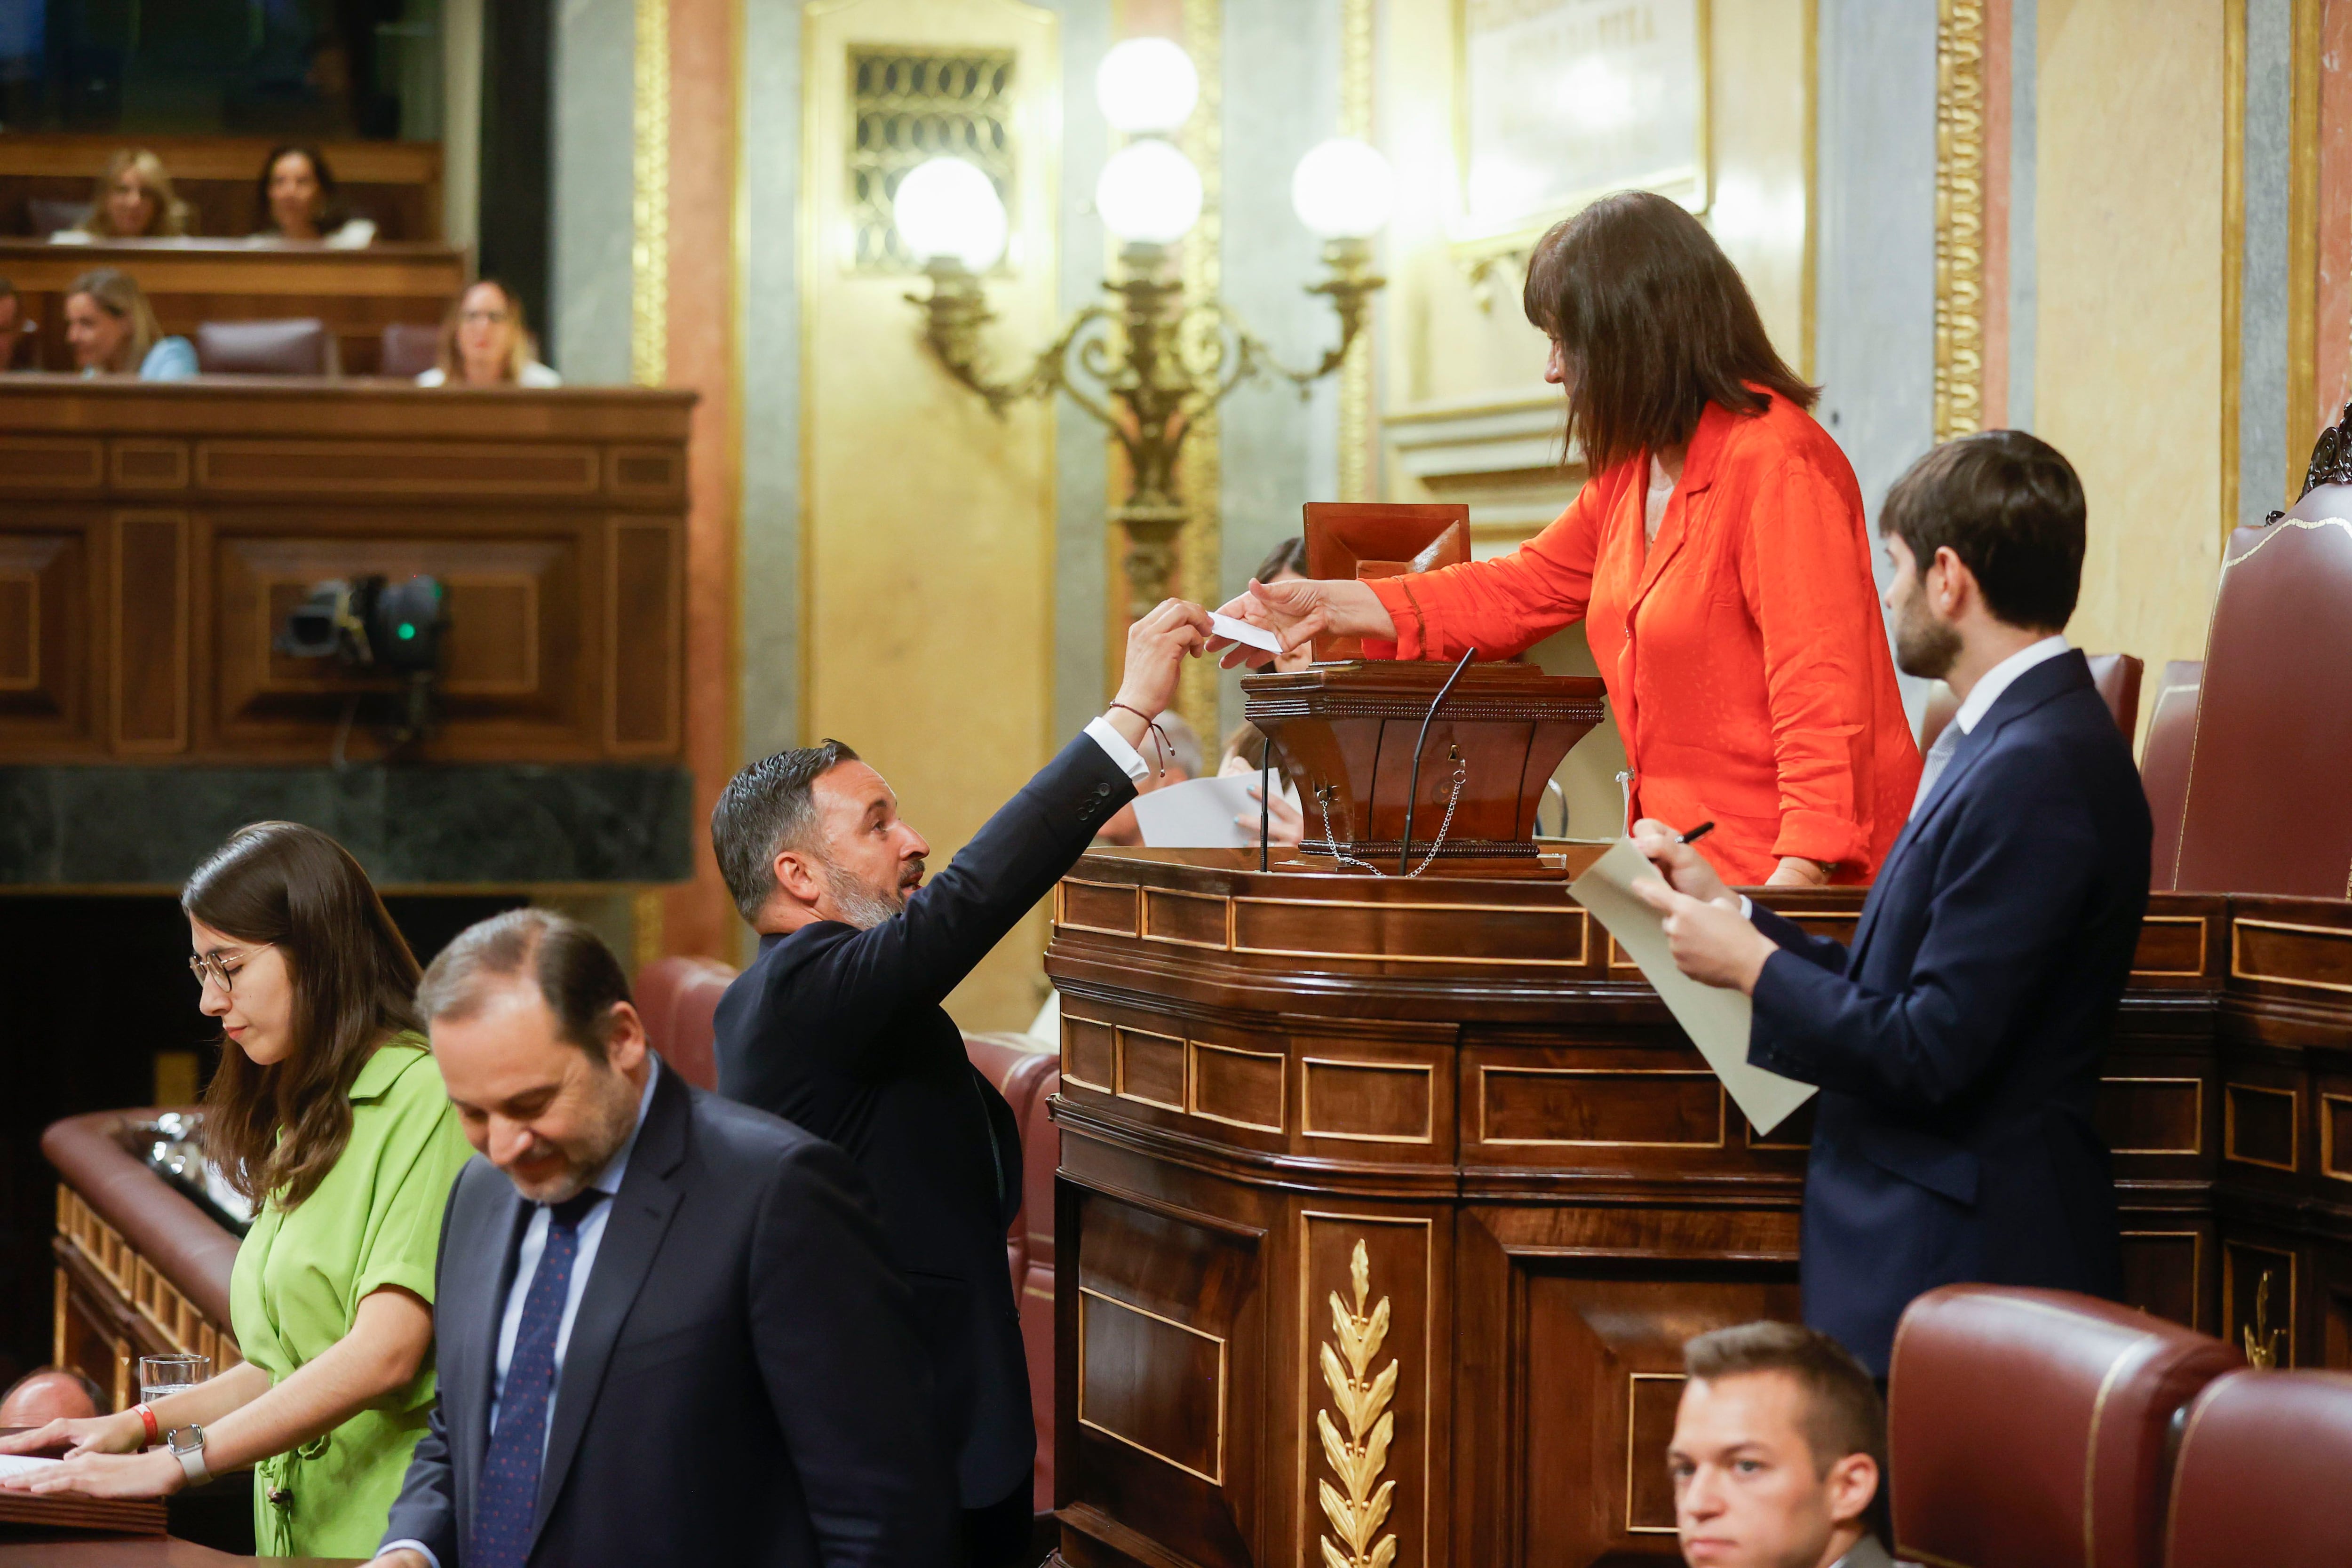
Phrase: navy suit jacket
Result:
[742,1383]
[842,1032]
[1956,1044]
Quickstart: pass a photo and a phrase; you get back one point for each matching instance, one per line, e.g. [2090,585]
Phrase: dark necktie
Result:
[507,1500]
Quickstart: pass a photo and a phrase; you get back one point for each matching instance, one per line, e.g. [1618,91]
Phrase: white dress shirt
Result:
[1981,698]
[1116,747]
[590,1234]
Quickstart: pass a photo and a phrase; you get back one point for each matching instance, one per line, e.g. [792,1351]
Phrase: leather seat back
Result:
[2029,1428]
[2164,763]
[300,346]
[408,349]
[679,999]
[2117,676]
[2273,730]
[2264,1456]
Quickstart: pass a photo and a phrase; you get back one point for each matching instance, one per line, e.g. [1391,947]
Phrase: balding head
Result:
[51,1394]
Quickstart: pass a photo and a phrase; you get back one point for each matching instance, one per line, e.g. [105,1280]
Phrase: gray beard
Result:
[857,904]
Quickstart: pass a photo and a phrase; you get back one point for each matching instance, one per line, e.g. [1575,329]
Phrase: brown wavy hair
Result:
[171,214]
[1654,324]
[277,1131]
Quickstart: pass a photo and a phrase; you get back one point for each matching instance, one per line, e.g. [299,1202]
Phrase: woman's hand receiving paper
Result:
[1297,610]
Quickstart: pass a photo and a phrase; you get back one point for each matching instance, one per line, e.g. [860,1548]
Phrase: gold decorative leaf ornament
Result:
[1360,1504]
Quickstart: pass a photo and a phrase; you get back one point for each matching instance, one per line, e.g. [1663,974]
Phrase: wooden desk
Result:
[1264,1077]
[357,293]
[395,183]
[153,535]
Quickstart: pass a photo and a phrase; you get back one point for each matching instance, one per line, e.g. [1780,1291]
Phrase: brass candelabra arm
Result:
[1350,289]
[955,317]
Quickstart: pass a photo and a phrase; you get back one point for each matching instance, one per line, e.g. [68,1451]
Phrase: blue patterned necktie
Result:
[507,1499]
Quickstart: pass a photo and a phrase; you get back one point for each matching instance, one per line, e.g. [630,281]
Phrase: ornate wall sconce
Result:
[1149,365]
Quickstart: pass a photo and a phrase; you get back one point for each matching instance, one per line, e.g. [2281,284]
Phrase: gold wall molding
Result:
[1959,217]
[1201,549]
[1357,1507]
[1356,24]
[2305,418]
[649,200]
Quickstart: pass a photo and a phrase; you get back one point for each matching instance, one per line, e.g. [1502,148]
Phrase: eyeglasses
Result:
[480,318]
[222,968]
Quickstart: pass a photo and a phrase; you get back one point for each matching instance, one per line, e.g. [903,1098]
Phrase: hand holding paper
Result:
[1224,625]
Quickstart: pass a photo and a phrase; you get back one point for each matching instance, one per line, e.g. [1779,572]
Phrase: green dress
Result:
[375,1220]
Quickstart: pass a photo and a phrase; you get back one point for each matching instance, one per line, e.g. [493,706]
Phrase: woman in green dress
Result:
[327,1112]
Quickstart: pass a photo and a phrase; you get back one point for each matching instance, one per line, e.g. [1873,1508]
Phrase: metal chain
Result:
[1323,799]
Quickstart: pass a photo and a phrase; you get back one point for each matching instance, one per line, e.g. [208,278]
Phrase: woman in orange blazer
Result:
[1718,558]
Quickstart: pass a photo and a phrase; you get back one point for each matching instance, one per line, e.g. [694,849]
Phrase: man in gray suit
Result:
[1778,1452]
[667,1329]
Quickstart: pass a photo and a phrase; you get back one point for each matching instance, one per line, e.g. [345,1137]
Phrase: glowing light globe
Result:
[948,207]
[1344,189]
[1146,86]
[1149,193]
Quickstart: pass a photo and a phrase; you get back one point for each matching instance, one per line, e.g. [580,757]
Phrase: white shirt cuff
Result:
[1116,747]
[418,1547]
[1746,912]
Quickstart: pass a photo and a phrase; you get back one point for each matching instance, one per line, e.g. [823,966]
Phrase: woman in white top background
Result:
[485,343]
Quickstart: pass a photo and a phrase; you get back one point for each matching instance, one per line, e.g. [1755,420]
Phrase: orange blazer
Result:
[1744,652]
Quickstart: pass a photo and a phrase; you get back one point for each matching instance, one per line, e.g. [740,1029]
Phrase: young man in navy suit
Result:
[1956,1043]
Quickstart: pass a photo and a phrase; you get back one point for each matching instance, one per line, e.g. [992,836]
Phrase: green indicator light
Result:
[407,631]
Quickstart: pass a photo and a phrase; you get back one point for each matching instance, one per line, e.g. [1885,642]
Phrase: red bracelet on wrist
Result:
[147,1419]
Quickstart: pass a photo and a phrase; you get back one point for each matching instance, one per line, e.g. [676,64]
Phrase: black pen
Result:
[1695,834]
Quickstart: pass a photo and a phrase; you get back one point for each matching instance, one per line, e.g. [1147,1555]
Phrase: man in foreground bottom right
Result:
[1779,1454]
[1957,1042]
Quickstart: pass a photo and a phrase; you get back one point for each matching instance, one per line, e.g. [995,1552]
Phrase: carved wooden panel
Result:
[396,468]
[45,623]
[645,641]
[1373,1373]
[1150,1069]
[148,465]
[1621,1107]
[2164,1272]
[1359,1097]
[150,632]
[2262,1125]
[2261,1297]
[2149,1115]
[1089,1055]
[48,463]
[2309,957]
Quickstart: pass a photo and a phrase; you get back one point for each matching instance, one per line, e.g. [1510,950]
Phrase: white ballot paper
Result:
[1244,633]
[1198,814]
[1717,1019]
[25,1464]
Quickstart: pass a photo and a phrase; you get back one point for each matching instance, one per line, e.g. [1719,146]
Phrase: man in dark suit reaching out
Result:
[666,1329]
[837,1026]
[1957,1042]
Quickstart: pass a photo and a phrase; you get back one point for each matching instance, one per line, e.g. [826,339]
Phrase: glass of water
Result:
[161,1376]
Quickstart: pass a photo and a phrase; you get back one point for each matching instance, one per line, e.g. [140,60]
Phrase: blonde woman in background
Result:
[484,342]
[113,331]
[133,200]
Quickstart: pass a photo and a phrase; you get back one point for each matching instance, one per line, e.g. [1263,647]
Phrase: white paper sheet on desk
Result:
[1198,814]
[1715,1018]
[1244,633]
[23,1464]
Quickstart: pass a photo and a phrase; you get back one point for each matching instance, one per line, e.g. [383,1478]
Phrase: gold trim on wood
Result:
[649,200]
[2229,1295]
[1632,1379]
[1119,1035]
[2327,1138]
[2230,1091]
[1959,217]
[1072,1079]
[2238,970]
[2196,1083]
[1583,932]
[1087,1293]
[1362,1397]
[1062,921]
[1145,896]
[2204,940]
[1306,1103]
[2196,1266]
[1281,1094]
[1722,1129]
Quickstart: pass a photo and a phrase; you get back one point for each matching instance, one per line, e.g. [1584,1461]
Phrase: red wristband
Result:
[147,1419]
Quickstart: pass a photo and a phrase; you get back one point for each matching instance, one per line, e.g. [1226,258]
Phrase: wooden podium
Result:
[1386,1205]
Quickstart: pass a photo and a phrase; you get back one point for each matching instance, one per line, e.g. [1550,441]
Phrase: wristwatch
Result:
[191,1454]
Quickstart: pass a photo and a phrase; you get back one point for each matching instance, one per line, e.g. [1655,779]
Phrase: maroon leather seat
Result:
[408,349]
[2264,1461]
[2273,730]
[677,997]
[300,346]
[2117,675]
[2029,1428]
[2164,763]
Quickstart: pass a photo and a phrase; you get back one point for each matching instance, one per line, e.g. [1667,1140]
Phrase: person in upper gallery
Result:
[484,342]
[1957,1041]
[298,200]
[673,1334]
[113,331]
[837,1026]
[1718,559]
[50,1394]
[327,1112]
[1779,1451]
[135,200]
